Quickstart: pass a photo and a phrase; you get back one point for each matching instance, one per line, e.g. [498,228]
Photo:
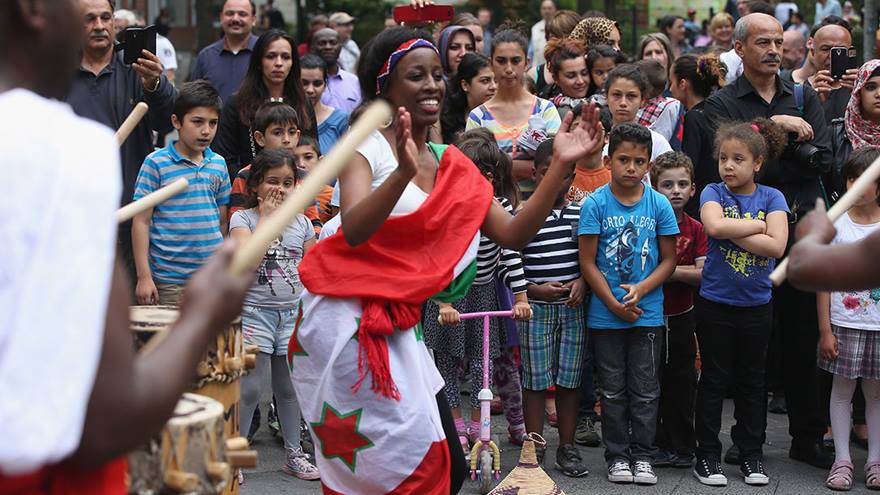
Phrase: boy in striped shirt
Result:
[553,343]
[174,239]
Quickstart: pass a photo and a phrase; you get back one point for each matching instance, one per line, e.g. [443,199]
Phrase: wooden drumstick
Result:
[252,251]
[861,185]
[242,458]
[130,210]
[137,113]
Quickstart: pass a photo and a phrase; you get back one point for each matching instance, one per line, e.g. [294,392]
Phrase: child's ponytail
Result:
[762,137]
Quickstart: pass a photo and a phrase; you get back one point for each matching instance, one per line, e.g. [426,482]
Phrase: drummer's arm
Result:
[134,396]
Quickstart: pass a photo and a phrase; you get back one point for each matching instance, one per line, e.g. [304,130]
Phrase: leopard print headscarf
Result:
[594,31]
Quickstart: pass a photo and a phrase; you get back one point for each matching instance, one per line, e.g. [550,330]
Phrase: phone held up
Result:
[842,59]
[406,14]
[134,40]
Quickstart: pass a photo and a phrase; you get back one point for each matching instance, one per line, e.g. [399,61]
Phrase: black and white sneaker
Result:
[753,472]
[643,473]
[620,472]
[709,472]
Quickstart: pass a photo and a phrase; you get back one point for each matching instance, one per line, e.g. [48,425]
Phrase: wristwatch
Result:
[156,87]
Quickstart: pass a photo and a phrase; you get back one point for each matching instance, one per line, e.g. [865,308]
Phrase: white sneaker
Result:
[620,472]
[298,465]
[643,473]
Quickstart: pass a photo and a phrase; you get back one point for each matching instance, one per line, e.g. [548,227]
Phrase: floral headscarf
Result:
[861,131]
[594,31]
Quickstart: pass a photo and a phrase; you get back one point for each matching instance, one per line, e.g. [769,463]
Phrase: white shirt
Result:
[538,42]
[659,145]
[166,53]
[783,10]
[734,65]
[58,232]
[377,150]
[348,56]
[855,309]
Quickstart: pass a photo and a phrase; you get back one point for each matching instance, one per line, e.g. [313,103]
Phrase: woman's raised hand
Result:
[407,152]
[587,137]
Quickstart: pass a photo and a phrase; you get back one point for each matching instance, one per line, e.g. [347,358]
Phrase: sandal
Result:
[840,477]
[872,475]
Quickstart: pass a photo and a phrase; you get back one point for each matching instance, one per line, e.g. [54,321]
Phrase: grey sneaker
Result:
[643,473]
[569,461]
[620,472]
[298,465]
[587,432]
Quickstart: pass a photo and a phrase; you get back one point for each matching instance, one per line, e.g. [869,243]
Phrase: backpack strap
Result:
[799,97]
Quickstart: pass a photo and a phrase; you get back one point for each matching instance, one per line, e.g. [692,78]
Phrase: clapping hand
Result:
[407,152]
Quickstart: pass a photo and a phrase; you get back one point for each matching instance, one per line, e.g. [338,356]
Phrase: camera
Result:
[802,152]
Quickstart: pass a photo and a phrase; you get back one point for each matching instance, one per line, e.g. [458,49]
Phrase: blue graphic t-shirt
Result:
[731,274]
[628,250]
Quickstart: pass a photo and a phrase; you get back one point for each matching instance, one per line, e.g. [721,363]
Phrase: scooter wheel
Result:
[485,472]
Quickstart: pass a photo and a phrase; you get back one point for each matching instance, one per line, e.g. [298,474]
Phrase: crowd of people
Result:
[627,208]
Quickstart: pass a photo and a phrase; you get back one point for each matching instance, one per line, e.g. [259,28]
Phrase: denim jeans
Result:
[628,364]
[733,349]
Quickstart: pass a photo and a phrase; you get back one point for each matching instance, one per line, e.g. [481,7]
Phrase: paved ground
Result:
[787,476]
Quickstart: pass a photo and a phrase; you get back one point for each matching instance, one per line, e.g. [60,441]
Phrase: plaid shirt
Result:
[651,110]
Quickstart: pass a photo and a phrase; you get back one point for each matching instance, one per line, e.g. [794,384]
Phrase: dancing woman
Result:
[411,216]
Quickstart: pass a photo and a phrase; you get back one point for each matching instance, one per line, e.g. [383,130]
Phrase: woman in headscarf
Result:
[597,31]
[455,42]
[860,125]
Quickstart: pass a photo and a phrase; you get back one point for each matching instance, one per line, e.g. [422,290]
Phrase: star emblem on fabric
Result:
[339,435]
[357,323]
[294,346]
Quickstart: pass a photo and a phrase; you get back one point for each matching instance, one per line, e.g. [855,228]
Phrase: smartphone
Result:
[406,14]
[840,61]
[137,39]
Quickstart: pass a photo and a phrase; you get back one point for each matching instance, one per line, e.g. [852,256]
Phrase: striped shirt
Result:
[185,230]
[490,255]
[552,256]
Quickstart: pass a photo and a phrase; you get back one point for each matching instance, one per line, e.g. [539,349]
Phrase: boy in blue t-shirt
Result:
[173,240]
[627,250]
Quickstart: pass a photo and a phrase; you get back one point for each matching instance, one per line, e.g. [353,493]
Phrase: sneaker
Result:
[298,465]
[709,472]
[239,476]
[643,473]
[753,472]
[569,461]
[587,432]
[620,472]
